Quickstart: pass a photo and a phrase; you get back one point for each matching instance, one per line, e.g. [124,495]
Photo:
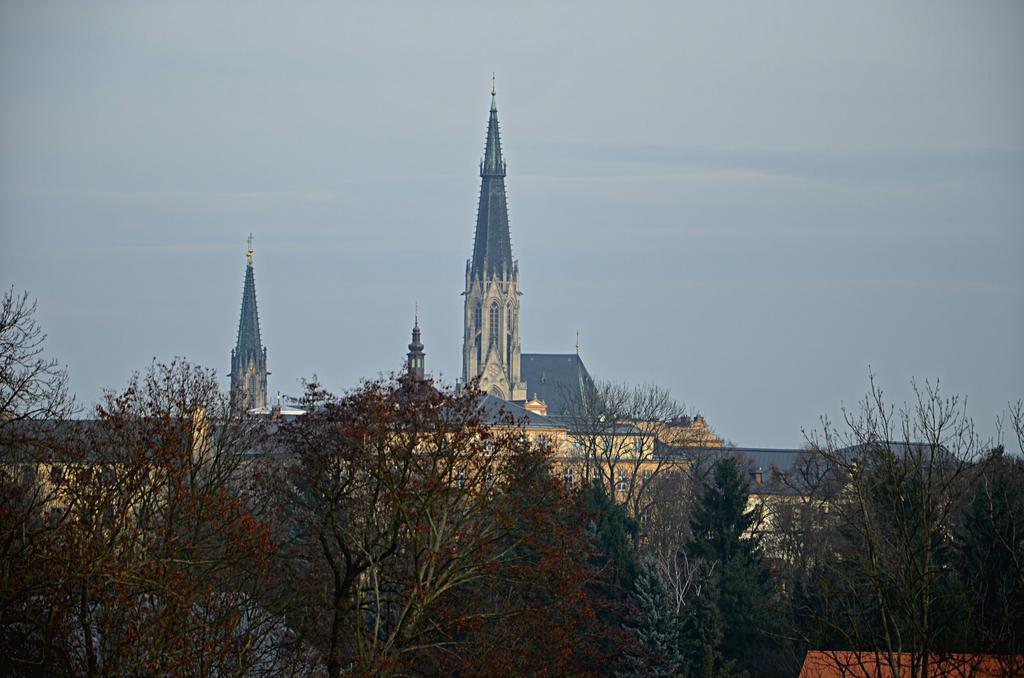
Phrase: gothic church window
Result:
[494,320]
[477,319]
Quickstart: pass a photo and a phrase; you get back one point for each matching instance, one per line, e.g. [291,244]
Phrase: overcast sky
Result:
[747,203]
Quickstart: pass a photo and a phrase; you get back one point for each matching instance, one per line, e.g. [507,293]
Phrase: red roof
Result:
[847,664]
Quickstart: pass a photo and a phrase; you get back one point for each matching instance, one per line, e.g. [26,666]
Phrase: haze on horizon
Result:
[747,204]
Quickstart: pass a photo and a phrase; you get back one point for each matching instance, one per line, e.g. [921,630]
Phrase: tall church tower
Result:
[249,358]
[490,348]
[414,362]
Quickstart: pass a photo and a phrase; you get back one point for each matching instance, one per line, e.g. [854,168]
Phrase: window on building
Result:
[494,322]
[567,477]
[638,445]
[477,317]
[623,482]
[460,477]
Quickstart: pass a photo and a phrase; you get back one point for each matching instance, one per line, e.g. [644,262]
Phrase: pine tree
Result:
[657,627]
[990,547]
[738,585]
[613,530]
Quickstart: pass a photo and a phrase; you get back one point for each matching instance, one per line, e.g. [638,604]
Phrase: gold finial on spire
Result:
[248,253]
[494,91]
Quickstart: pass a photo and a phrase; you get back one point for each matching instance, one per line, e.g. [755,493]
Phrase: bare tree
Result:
[666,531]
[1017,423]
[34,404]
[618,433]
[800,520]
[31,386]
[902,472]
[150,556]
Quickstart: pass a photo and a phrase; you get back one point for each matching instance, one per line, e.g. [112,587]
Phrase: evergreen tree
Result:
[739,587]
[657,627]
[990,547]
[614,531]
[700,637]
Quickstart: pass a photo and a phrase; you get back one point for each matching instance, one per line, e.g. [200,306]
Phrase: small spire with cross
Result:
[577,342]
[248,253]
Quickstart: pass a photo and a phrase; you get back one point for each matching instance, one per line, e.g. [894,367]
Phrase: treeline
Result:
[399,530]
[909,557]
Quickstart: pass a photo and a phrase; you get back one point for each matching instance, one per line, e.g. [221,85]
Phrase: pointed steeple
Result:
[492,247]
[249,357]
[249,321]
[490,345]
[415,362]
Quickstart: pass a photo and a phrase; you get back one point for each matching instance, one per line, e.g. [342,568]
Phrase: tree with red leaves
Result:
[147,557]
[431,538]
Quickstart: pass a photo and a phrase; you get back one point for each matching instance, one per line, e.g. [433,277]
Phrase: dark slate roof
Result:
[43,440]
[249,322]
[495,410]
[763,459]
[924,452]
[492,245]
[555,378]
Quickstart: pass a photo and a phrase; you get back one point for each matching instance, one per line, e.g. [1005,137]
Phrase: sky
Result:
[754,205]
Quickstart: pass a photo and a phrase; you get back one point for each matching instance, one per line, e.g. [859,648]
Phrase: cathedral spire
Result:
[492,247]
[490,349]
[249,358]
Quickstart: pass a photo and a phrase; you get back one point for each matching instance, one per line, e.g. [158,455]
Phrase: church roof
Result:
[494,411]
[556,378]
[249,322]
[492,245]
